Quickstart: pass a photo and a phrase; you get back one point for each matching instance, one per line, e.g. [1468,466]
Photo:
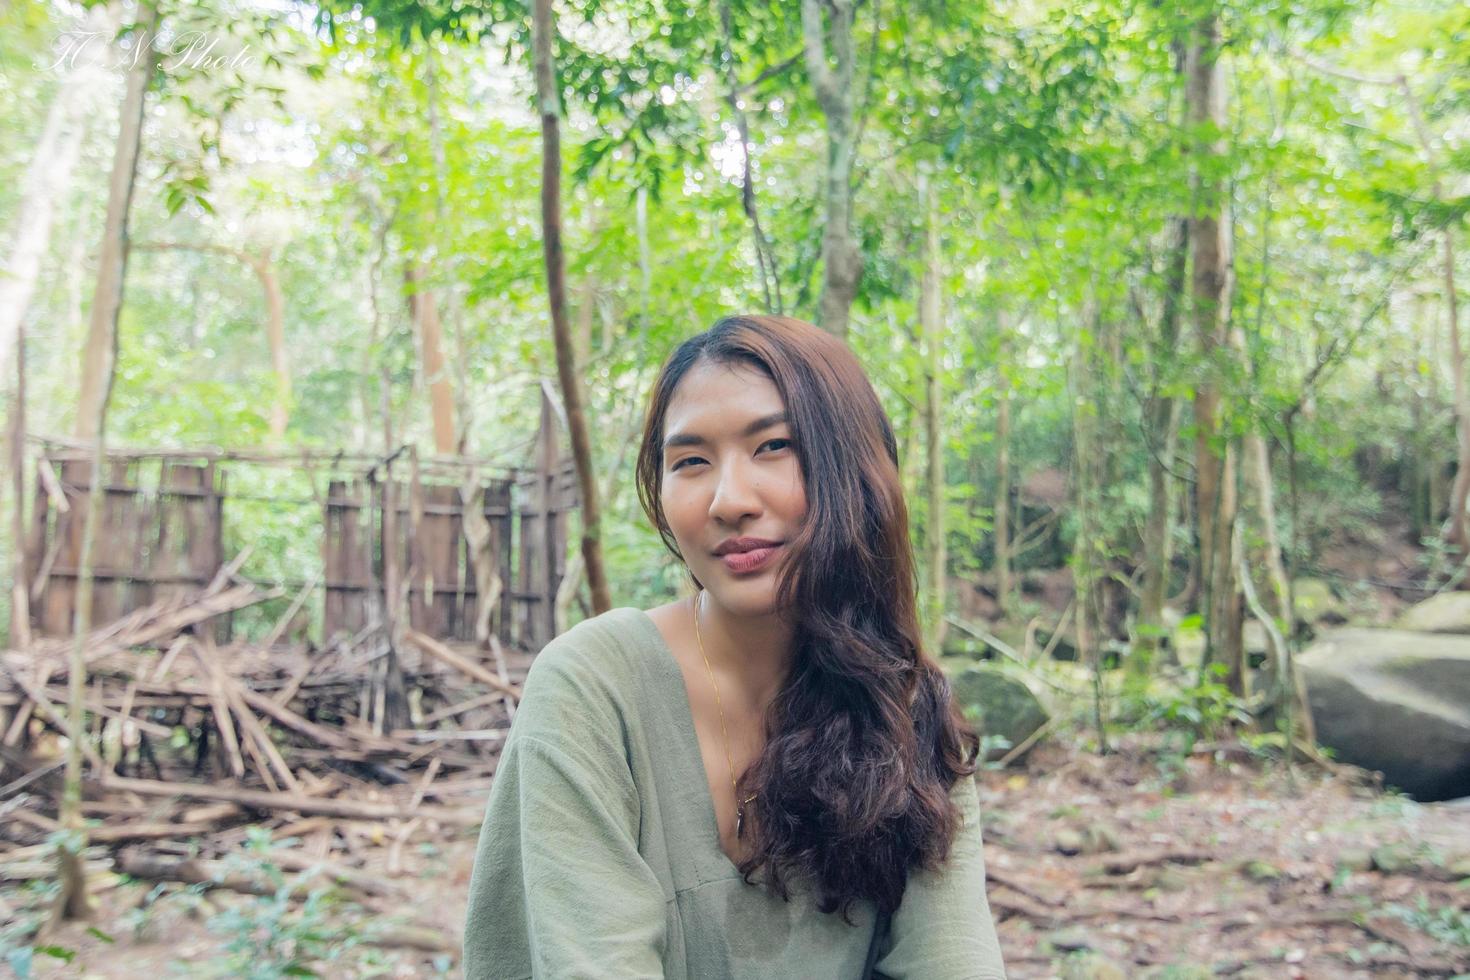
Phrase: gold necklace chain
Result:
[724,734]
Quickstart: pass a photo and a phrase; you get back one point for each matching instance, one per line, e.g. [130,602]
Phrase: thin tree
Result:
[1163,433]
[931,323]
[47,178]
[842,260]
[20,600]
[1210,286]
[424,311]
[101,355]
[543,33]
[1002,523]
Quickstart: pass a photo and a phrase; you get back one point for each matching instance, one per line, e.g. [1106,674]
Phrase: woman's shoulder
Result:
[616,641]
[599,664]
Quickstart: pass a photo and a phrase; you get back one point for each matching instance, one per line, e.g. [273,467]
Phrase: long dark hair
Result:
[863,741]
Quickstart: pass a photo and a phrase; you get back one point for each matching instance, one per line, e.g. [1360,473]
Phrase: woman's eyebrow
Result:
[694,439]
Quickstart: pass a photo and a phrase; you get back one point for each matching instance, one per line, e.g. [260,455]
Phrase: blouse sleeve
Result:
[942,929]
[559,888]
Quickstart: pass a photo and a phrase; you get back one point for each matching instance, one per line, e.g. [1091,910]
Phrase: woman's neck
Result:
[751,652]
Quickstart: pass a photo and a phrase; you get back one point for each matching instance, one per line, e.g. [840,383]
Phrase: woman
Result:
[766,779]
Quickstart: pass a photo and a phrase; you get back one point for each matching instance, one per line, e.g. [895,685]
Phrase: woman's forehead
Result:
[718,396]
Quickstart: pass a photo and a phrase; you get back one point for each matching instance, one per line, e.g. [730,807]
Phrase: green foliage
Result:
[1205,709]
[1446,923]
[279,935]
[388,134]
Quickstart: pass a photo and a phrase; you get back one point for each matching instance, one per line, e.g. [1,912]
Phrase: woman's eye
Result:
[686,459]
[784,442]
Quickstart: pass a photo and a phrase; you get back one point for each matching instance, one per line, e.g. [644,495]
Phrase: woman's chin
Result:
[744,598]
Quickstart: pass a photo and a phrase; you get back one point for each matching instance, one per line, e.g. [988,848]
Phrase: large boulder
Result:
[999,703]
[1395,701]
[1448,612]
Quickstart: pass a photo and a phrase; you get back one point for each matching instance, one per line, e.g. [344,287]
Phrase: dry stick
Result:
[284,695]
[285,620]
[23,711]
[1008,651]
[220,705]
[152,831]
[52,485]
[455,709]
[442,653]
[1056,634]
[286,717]
[38,697]
[1006,880]
[167,661]
[11,788]
[260,800]
[248,721]
[227,571]
[351,878]
[1027,742]
[423,787]
[1119,864]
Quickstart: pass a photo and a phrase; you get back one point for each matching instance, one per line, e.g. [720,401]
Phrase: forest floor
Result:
[1181,866]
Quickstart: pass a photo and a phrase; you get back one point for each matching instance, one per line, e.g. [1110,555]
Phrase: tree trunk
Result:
[543,31]
[425,313]
[931,322]
[1163,414]
[1436,493]
[20,600]
[275,335]
[1457,530]
[842,260]
[1258,458]
[1086,554]
[460,402]
[99,356]
[96,392]
[1002,522]
[1216,502]
[47,180]
[765,258]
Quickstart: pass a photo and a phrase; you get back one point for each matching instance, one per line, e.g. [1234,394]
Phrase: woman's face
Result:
[730,471]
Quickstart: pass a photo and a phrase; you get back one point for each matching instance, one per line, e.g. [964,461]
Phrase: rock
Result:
[1397,702]
[1354,859]
[1069,842]
[1448,612]
[1000,703]
[1316,602]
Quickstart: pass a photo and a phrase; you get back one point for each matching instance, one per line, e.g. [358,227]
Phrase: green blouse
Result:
[600,856]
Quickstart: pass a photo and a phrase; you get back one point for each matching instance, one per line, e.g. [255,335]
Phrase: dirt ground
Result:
[1136,864]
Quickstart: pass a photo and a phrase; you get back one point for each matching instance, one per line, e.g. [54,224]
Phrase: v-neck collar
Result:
[684,720]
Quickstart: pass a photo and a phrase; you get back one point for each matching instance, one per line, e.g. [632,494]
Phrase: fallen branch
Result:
[281,802]
[443,654]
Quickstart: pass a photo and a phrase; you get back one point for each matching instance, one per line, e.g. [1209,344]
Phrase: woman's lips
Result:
[741,562]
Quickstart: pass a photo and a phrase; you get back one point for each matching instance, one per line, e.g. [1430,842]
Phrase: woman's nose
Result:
[735,497]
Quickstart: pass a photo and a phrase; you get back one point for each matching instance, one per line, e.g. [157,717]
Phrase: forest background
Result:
[1161,297]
